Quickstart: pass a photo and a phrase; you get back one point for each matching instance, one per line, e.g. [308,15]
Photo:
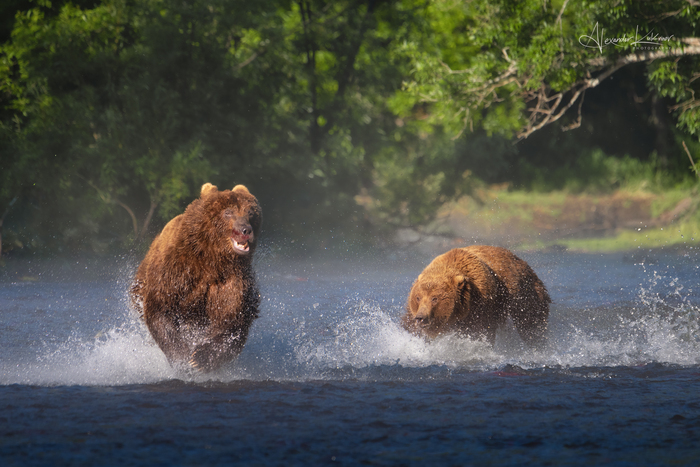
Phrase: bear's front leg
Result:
[166,332]
[216,352]
[231,310]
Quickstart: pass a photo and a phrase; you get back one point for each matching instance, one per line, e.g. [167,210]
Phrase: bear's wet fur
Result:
[473,290]
[196,287]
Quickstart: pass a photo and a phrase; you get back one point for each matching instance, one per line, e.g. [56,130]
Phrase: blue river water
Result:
[329,377]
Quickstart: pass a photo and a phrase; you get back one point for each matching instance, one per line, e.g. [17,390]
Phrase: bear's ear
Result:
[208,188]
[462,285]
[241,189]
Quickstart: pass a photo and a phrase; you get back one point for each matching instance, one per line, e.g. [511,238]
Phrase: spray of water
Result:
[341,338]
[662,325]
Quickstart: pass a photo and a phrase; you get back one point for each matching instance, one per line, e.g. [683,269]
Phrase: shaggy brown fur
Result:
[196,287]
[473,290]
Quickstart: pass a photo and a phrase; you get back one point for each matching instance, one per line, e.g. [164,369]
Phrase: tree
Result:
[89,105]
[114,112]
[127,107]
[521,65]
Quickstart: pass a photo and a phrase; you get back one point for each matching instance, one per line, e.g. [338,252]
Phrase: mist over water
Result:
[339,321]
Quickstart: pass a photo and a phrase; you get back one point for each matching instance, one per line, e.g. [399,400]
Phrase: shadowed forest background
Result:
[349,120]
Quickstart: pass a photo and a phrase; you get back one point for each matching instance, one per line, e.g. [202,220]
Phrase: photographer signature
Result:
[597,39]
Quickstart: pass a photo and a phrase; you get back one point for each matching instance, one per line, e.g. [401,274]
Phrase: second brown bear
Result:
[473,290]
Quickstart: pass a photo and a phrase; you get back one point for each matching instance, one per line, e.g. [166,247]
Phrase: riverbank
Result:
[618,221]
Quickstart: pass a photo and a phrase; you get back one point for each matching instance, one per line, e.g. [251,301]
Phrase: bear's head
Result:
[235,217]
[437,303]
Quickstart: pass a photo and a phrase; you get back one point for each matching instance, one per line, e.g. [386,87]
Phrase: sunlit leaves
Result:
[466,55]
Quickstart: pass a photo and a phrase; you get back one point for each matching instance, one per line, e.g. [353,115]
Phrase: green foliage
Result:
[114,112]
[596,172]
[407,185]
[125,108]
[485,60]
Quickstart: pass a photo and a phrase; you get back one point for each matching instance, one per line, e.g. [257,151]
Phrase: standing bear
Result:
[473,290]
[196,287]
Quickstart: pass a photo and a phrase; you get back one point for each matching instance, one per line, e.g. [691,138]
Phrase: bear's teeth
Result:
[240,246]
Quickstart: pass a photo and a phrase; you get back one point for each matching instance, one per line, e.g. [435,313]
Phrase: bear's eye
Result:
[228,212]
[417,298]
[434,300]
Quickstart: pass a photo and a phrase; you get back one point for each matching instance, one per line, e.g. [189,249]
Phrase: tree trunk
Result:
[2,219]
[659,118]
[134,223]
[147,220]
[310,44]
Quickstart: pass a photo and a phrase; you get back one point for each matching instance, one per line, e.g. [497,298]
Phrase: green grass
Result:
[669,200]
[673,235]
[502,207]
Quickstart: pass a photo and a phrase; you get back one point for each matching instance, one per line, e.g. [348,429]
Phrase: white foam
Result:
[369,336]
[358,333]
[124,355]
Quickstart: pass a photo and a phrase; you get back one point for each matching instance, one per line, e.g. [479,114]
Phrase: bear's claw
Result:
[198,361]
[204,358]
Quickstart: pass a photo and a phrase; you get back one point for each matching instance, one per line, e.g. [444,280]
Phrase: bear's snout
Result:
[244,233]
[422,317]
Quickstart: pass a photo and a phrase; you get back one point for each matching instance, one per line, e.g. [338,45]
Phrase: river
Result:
[329,377]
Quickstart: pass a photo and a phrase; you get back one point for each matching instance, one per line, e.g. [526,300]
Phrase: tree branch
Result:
[561,13]
[693,48]
[487,89]
[692,162]
[108,198]
[542,114]
[250,59]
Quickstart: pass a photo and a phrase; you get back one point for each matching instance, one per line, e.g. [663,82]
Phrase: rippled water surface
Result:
[328,375]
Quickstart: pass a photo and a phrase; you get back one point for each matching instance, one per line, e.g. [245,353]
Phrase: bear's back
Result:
[517,276]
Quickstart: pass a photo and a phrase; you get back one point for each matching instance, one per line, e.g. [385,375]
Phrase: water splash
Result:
[368,336]
[124,354]
[330,329]
[661,325]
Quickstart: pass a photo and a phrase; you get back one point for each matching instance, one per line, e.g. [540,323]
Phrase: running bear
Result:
[473,290]
[196,287]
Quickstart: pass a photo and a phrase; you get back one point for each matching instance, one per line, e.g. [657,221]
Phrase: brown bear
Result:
[196,287]
[472,291]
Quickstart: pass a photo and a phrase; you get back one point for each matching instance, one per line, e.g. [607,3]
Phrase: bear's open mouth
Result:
[240,247]
[240,241]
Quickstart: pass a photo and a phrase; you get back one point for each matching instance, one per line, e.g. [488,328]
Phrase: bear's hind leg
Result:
[530,321]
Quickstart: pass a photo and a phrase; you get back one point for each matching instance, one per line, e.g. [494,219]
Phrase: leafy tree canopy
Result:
[513,67]
[114,112]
